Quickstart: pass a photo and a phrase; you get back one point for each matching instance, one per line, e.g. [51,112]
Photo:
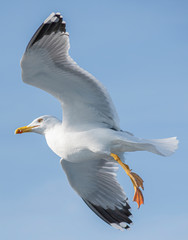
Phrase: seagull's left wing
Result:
[46,64]
[95,181]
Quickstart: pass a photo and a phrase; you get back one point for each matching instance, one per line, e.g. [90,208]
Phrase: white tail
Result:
[165,146]
[130,143]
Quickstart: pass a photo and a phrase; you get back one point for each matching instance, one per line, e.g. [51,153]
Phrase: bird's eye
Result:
[40,120]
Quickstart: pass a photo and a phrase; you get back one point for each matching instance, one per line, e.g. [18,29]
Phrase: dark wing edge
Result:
[117,218]
[53,23]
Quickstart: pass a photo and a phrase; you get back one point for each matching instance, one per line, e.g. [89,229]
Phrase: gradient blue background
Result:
[139,51]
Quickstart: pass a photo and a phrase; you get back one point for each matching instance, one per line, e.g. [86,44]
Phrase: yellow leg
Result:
[136,180]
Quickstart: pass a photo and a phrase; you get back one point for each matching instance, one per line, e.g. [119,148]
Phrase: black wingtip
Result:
[53,23]
[118,218]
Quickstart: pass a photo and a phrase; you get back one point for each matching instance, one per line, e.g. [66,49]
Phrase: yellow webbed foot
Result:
[138,197]
[135,178]
[137,182]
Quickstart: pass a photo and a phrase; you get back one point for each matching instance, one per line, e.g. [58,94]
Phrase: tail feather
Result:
[130,143]
[164,147]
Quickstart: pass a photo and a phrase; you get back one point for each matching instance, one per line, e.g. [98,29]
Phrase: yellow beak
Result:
[24,129]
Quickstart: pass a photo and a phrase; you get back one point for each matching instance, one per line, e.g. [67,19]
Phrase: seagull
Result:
[89,140]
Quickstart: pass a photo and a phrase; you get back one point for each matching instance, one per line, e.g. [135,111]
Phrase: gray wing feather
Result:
[95,181]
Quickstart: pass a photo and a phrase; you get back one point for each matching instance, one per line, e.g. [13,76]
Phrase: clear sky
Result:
[139,51]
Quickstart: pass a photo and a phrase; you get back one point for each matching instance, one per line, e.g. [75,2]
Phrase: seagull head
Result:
[39,125]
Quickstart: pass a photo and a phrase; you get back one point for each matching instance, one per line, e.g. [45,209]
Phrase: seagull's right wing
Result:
[95,181]
[46,64]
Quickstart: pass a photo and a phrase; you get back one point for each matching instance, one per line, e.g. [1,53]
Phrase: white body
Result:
[86,145]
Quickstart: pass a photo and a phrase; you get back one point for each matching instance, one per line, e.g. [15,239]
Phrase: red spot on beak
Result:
[19,131]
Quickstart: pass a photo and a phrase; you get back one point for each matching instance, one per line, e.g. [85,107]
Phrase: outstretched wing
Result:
[46,64]
[95,181]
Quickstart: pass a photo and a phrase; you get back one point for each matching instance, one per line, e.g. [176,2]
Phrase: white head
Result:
[39,125]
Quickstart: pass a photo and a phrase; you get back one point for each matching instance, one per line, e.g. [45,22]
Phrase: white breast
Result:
[77,146]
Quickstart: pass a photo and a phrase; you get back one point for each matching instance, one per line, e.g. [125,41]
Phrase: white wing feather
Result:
[46,64]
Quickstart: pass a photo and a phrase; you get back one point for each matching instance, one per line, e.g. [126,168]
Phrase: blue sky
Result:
[139,51]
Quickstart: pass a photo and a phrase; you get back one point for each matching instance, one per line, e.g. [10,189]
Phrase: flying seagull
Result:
[89,141]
